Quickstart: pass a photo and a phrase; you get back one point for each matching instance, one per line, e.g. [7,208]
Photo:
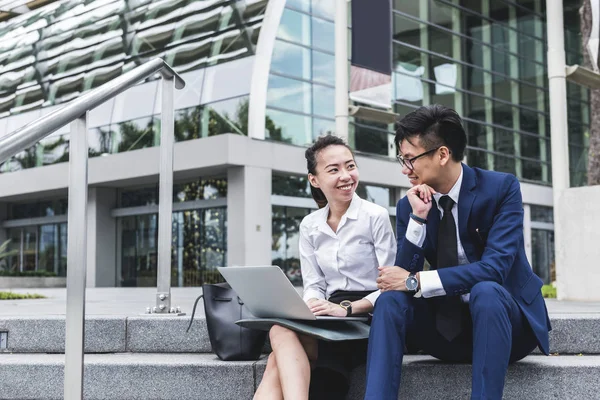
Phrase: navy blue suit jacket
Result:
[490,222]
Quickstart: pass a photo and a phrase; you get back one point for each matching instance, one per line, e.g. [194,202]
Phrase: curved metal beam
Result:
[262,66]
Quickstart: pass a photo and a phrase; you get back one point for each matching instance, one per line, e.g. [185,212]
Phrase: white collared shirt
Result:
[431,285]
[346,259]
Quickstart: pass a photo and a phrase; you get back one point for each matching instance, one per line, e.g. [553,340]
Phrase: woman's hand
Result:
[324,307]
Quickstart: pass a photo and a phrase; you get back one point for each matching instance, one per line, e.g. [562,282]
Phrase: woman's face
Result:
[336,174]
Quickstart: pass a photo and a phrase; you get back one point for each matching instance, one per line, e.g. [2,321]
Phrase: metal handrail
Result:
[37,130]
[76,114]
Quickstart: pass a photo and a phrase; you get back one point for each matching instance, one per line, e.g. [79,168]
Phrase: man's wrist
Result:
[417,218]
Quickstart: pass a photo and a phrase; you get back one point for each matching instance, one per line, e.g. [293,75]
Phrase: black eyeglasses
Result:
[408,162]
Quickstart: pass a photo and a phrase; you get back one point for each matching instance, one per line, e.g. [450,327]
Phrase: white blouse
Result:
[346,259]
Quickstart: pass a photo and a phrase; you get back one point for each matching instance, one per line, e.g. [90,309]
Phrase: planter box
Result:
[26,282]
[578,247]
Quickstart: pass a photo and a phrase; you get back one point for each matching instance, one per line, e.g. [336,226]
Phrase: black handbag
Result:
[229,341]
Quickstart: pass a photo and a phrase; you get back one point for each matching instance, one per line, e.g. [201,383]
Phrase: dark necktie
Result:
[448,314]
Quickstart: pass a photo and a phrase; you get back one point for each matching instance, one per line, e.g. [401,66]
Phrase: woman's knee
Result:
[279,334]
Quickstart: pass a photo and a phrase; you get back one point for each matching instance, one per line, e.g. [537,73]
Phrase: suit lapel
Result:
[465,203]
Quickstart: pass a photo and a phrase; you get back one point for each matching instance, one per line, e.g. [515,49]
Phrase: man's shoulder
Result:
[491,178]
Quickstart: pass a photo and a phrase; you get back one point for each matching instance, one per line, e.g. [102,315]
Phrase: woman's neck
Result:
[337,210]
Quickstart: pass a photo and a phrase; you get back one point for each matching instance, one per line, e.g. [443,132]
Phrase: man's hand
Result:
[324,307]
[392,278]
[419,198]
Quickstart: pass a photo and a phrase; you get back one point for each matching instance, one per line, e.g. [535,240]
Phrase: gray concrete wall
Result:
[578,248]
[249,216]
[101,237]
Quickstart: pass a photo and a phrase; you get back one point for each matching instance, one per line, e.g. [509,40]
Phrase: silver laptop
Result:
[268,293]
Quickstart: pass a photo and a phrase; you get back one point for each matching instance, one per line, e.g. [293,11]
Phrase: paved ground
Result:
[133,301]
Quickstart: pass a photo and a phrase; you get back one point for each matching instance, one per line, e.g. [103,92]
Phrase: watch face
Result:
[412,283]
[345,303]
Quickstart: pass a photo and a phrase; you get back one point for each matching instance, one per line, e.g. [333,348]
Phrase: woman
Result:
[341,246]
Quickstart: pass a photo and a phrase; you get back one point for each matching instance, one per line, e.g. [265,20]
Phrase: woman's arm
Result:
[313,278]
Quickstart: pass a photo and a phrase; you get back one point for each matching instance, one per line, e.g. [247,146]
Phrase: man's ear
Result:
[444,155]
[313,180]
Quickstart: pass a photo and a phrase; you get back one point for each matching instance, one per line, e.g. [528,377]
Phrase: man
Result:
[480,301]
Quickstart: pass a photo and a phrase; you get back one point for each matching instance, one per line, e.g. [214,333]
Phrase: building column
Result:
[249,216]
[101,238]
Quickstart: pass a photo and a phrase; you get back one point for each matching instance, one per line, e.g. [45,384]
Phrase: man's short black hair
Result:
[435,125]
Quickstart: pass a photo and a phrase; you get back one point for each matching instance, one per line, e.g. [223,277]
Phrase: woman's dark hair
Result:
[435,125]
[311,163]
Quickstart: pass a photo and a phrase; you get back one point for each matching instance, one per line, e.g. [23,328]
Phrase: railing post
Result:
[165,199]
[76,259]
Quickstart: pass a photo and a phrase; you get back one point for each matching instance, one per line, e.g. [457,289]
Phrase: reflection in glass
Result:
[323,67]
[290,59]
[200,189]
[323,34]
[289,94]
[289,128]
[323,101]
[323,127]
[198,248]
[294,27]
[294,186]
[36,250]
[371,140]
[542,244]
[284,246]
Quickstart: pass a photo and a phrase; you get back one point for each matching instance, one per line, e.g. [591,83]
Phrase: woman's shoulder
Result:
[312,219]
[373,209]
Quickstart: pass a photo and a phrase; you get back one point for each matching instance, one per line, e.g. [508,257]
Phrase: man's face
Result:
[425,169]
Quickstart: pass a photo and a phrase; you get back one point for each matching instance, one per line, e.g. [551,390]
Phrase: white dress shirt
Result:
[346,259]
[431,285]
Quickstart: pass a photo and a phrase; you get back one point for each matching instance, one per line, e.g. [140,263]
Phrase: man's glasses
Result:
[408,162]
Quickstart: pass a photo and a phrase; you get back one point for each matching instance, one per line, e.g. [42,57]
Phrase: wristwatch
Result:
[347,305]
[412,284]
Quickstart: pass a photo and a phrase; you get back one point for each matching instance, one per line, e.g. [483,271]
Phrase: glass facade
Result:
[487,60]
[38,248]
[53,54]
[199,235]
[542,243]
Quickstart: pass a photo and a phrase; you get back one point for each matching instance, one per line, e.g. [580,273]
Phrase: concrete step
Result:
[203,376]
[571,334]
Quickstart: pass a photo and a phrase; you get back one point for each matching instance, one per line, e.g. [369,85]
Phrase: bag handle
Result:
[193,312]
[196,303]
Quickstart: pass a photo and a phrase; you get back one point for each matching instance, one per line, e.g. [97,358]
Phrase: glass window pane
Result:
[200,189]
[228,116]
[289,94]
[289,128]
[371,140]
[324,101]
[139,237]
[323,8]
[295,186]
[323,34]
[302,5]
[542,213]
[322,127]
[323,67]
[290,59]
[542,244]
[294,27]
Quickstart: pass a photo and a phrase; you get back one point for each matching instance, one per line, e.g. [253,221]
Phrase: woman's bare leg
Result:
[293,361]
[269,388]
